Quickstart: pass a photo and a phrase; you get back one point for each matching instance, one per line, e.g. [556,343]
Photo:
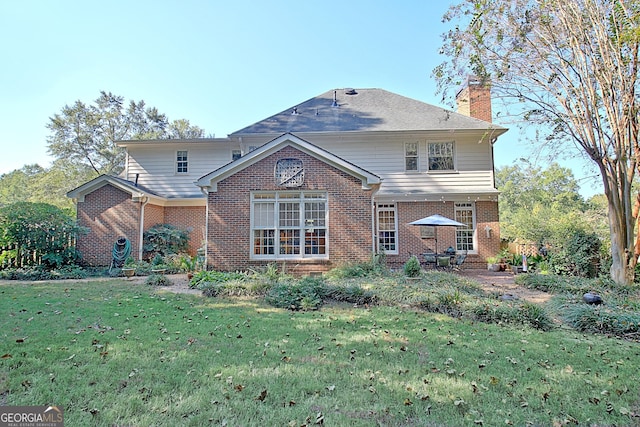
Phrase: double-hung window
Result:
[182,163]
[387,228]
[441,156]
[289,224]
[411,156]
[464,213]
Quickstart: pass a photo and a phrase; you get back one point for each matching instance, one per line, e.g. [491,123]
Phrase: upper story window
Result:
[441,156]
[236,154]
[182,163]
[411,156]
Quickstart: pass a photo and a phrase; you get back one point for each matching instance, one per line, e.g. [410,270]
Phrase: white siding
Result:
[381,153]
[156,166]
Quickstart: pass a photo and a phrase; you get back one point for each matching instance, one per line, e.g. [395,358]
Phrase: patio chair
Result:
[444,262]
[429,259]
[459,260]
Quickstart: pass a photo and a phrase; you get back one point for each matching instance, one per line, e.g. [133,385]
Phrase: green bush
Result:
[579,256]
[158,280]
[37,234]
[165,239]
[307,294]
[350,293]
[212,276]
[504,312]
[412,267]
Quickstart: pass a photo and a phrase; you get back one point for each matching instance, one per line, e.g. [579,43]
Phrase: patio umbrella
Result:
[437,221]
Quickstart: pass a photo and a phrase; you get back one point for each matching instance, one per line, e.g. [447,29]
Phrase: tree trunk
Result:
[621,228]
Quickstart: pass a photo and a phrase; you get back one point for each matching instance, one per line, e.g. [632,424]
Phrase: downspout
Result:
[206,228]
[143,203]
[374,239]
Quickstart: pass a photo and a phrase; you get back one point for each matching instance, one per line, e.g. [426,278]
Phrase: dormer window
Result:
[182,163]
[441,156]
[411,156]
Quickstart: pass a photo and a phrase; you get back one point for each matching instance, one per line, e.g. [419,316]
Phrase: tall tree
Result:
[87,134]
[570,67]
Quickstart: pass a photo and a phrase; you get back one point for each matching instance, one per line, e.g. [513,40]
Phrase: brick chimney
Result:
[474,99]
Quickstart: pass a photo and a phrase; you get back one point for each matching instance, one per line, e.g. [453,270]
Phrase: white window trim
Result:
[395,218]
[473,216]
[276,200]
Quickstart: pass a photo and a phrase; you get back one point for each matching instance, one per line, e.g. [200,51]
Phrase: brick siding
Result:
[349,232]
[190,218]
[109,213]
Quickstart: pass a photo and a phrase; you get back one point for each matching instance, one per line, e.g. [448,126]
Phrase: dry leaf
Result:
[263,395]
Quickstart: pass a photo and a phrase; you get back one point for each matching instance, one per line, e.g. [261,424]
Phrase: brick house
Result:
[332,180]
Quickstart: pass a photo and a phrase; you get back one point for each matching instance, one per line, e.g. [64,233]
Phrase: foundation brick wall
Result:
[191,218]
[349,226]
[109,213]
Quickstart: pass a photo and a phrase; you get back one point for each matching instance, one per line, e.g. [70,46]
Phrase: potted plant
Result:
[157,265]
[189,264]
[129,267]
[493,263]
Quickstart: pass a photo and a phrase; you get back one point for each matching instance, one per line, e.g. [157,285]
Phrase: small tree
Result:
[412,267]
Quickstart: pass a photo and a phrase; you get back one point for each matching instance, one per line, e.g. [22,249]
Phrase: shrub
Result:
[306,294]
[158,280]
[37,233]
[579,256]
[526,313]
[350,293]
[165,239]
[214,277]
[412,267]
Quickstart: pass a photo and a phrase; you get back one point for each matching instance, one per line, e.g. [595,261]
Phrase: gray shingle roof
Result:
[366,110]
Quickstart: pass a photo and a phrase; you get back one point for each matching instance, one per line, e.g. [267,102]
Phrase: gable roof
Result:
[364,110]
[211,180]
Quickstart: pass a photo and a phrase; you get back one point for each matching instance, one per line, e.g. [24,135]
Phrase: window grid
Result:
[387,233]
[289,224]
[441,156]
[411,156]
[182,165]
[464,235]
[264,242]
[289,214]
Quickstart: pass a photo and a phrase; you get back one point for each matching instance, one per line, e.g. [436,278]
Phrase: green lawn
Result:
[114,353]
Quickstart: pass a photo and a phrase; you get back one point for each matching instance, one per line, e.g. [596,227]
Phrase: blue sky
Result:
[222,65]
